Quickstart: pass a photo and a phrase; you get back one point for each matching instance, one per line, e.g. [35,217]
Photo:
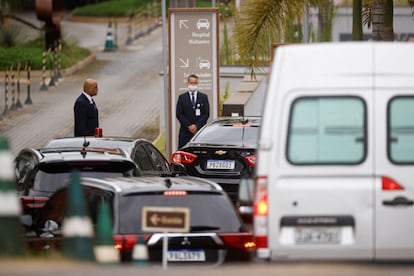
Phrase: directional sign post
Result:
[193,49]
[165,219]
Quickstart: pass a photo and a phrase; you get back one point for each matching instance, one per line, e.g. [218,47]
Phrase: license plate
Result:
[317,235]
[186,255]
[220,164]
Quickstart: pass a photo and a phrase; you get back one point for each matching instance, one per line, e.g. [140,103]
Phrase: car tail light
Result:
[261,209]
[240,240]
[389,184]
[33,202]
[251,160]
[183,157]
[126,242]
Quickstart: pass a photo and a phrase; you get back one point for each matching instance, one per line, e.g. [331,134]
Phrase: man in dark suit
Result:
[85,110]
[193,110]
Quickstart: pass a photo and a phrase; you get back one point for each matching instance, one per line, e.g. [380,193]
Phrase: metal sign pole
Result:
[165,70]
[164,251]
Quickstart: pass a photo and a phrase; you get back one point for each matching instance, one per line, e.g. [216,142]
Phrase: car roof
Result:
[75,154]
[234,120]
[151,184]
[125,143]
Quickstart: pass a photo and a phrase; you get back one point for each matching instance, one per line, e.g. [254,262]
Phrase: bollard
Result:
[18,103]
[55,76]
[43,87]
[13,103]
[11,233]
[104,249]
[109,42]
[52,69]
[28,68]
[59,60]
[140,252]
[6,88]
[115,31]
[129,31]
[77,226]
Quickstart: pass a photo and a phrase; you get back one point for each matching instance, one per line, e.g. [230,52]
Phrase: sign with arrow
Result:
[165,219]
[193,49]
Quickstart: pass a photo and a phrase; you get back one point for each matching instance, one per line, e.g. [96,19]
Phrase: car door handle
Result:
[398,201]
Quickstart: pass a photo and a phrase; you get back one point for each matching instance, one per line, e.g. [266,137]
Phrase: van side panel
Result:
[394,148]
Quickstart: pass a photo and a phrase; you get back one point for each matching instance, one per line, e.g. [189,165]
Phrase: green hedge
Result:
[33,52]
[111,8]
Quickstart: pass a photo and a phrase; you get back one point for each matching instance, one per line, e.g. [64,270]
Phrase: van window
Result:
[327,130]
[401,129]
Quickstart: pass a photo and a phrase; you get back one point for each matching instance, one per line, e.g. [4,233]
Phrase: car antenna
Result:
[85,142]
[244,120]
[168,182]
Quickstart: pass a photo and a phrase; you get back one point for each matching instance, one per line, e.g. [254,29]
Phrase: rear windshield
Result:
[208,212]
[50,182]
[229,134]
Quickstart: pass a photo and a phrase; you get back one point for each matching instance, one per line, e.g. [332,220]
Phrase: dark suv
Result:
[224,151]
[216,232]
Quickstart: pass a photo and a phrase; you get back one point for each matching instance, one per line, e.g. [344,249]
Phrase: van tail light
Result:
[127,242]
[251,160]
[243,241]
[389,184]
[183,157]
[261,209]
[30,202]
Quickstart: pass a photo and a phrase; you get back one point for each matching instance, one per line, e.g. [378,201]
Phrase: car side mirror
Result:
[178,169]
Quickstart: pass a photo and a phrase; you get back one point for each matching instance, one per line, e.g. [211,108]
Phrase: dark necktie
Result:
[93,103]
[192,98]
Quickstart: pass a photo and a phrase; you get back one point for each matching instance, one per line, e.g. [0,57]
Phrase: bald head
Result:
[90,86]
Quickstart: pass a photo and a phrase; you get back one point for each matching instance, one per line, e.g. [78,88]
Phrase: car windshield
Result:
[228,134]
[208,212]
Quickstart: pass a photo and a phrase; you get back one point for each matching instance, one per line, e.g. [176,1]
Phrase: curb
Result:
[36,74]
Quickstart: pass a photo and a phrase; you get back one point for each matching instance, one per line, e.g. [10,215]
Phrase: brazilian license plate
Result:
[220,164]
[196,255]
[317,235]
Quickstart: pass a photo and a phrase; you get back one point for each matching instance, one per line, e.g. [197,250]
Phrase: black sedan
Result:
[224,151]
[216,233]
[40,173]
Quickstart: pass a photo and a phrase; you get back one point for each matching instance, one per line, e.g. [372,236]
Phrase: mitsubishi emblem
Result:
[185,241]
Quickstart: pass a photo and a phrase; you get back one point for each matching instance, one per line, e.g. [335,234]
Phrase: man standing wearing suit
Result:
[193,110]
[85,110]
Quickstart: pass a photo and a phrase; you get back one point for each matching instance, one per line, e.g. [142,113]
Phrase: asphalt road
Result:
[46,267]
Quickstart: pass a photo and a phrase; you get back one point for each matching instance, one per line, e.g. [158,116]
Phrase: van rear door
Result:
[321,197]
[394,149]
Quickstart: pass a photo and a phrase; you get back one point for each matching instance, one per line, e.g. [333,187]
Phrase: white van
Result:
[335,160]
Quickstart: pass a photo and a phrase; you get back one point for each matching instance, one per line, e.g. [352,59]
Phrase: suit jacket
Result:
[86,117]
[186,115]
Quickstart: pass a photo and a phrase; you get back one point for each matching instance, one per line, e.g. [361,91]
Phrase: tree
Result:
[263,22]
[357,20]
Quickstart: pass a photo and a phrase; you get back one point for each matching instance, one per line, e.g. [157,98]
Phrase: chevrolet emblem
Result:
[220,152]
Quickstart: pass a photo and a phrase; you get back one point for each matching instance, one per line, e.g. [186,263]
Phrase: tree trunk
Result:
[357,20]
[389,20]
[378,21]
